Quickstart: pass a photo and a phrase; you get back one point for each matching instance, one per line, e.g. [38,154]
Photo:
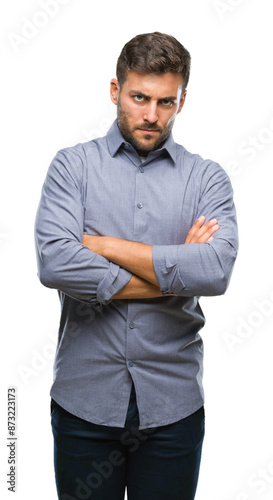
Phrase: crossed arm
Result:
[137,258]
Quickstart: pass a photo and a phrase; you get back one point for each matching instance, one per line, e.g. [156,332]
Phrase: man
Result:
[131,230]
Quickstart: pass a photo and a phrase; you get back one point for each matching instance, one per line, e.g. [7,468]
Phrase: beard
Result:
[147,144]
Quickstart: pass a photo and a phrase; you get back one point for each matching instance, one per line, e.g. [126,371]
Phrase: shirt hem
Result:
[173,420]
[151,425]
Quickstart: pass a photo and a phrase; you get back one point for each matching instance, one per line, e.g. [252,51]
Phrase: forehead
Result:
[153,85]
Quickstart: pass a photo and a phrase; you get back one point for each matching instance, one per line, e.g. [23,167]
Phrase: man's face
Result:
[147,107]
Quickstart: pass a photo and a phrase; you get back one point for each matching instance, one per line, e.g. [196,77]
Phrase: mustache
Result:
[149,126]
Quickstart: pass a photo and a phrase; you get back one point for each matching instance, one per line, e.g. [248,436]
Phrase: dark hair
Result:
[154,53]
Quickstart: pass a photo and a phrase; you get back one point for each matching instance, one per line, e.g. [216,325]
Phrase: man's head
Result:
[152,75]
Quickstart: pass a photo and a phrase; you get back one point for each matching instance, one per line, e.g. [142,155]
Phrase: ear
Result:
[182,101]
[114,90]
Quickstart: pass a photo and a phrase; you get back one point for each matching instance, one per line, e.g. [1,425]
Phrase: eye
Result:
[167,102]
[138,98]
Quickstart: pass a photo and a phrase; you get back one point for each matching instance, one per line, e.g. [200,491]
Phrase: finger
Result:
[207,226]
[195,228]
[205,237]
[201,234]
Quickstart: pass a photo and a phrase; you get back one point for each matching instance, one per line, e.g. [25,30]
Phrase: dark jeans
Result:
[98,462]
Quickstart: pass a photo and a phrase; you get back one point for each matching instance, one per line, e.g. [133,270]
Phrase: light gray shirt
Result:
[102,187]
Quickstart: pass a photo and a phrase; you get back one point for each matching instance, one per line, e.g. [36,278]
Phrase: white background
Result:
[55,93]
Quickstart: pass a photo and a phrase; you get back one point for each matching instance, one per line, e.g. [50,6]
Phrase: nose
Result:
[150,113]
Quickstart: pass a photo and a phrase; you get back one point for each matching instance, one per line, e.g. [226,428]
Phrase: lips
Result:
[148,131]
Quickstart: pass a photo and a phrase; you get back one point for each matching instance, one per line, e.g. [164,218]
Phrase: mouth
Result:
[148,131]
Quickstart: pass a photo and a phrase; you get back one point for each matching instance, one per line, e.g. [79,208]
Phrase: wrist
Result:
[108,245]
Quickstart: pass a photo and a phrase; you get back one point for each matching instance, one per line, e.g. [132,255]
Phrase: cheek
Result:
[171,119]
[133,115]
[128,107]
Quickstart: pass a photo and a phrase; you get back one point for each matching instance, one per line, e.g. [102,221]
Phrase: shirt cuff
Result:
[115,279]
[165,261]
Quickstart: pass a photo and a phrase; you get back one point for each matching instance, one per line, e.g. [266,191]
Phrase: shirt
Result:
[102,187]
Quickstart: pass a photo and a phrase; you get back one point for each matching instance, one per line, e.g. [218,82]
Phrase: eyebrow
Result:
[138,92]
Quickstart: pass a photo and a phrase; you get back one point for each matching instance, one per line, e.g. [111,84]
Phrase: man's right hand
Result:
[202,232]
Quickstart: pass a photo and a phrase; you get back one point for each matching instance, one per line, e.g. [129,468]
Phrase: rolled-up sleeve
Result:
[203,269]
[64,263]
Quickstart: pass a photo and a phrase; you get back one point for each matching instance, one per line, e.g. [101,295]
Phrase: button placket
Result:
[131,334]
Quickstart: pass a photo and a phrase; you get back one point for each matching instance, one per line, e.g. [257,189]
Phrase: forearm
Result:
[133,256]
[195,270]
[137,257]
[137,288]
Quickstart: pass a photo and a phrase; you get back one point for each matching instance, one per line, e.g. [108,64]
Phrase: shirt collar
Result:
[115,140]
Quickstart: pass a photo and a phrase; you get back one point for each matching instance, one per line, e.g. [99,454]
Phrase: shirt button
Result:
[132,325]
[139,205]
[141,170]
[131,363]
